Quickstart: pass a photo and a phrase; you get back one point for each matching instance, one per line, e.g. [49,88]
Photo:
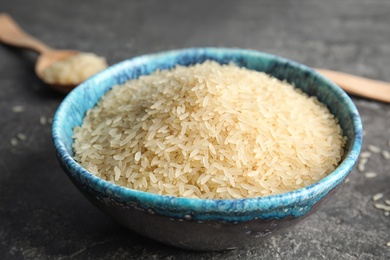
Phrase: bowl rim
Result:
[210,207]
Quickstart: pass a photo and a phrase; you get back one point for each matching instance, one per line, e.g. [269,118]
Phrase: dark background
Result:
[43,216]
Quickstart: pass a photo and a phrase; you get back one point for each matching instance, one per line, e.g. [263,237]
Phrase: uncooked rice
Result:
[14,142]
[377,196]
[362,163]
[21,136]
[42,120]
[382,206]
[361,167]
[386,154]
[74,70]
[209,131]
[374,148]
[365,154]
[370,175]
[17,109]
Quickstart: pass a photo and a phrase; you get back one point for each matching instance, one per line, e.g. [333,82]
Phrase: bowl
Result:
[205,224]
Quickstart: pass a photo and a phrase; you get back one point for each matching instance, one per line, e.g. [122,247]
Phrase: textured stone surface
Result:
[43,216]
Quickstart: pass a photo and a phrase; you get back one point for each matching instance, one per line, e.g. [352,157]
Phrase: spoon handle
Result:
[355,85]
[12,34]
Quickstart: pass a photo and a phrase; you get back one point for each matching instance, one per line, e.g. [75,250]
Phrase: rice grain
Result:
[382,206]
[21,136]
[370,175]
[377,196]
[14,142]
[374,148]
[365,154]
[209,131]
[386,154]
[18,109]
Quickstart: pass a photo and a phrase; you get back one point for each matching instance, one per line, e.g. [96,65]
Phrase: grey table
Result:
[43,216]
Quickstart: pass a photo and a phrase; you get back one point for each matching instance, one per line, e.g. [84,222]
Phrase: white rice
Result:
[370,175]
[74,70]
[42,120]
[382,206]
[21,136]
[386,154]
[377,196]
[374,148]
[14,142]
[17,109]
[209,131]
[365,155]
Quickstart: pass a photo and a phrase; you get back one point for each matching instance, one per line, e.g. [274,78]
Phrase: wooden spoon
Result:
[12,34]
[359,86]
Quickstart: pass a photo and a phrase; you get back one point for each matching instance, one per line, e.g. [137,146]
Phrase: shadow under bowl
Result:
[201,224]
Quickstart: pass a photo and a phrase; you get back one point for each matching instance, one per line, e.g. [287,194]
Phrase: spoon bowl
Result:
[46,59]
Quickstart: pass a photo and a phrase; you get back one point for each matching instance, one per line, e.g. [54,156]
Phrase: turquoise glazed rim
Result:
[295,203]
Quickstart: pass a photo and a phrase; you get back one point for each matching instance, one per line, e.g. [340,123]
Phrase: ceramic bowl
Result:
[201,224]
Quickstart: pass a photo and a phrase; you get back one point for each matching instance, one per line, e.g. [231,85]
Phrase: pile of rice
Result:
[209,131]
[75,69]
